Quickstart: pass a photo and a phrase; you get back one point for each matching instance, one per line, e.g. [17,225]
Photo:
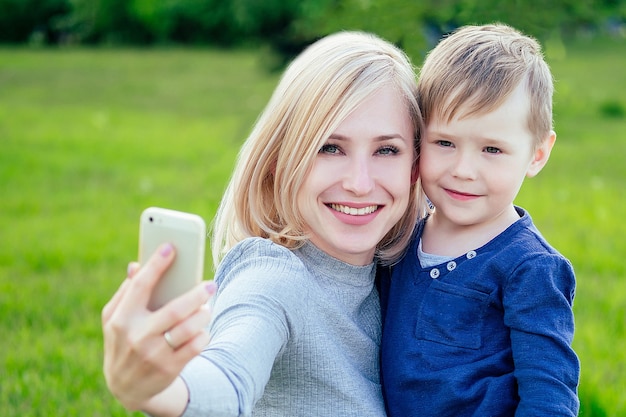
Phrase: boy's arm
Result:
[538,309]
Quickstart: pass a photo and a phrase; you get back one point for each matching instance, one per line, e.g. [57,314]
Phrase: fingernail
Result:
[129,269]
[211,287]
[166,250]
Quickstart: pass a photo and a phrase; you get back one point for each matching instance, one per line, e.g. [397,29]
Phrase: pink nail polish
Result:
[211,287]
[166,250]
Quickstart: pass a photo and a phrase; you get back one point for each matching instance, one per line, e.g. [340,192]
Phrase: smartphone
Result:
[187,233]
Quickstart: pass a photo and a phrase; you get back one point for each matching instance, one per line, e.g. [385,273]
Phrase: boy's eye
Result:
[445,143]
[492,149]
[329,148]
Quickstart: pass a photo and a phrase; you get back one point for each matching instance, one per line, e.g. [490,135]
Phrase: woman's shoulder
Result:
[262,257]
[258,247]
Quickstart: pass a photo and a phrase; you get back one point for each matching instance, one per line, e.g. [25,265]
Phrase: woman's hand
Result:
[139,361]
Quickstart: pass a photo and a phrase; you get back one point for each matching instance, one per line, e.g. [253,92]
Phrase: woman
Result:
[324,186]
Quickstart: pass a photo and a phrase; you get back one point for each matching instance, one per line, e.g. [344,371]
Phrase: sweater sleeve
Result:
[538,309]
[257,310]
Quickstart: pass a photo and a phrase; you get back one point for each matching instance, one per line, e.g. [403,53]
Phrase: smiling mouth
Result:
[353,211]
[460,195]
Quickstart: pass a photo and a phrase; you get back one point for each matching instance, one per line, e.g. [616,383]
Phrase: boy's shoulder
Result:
[524,236]
[522,247]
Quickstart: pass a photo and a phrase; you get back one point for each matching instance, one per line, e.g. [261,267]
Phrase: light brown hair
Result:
[478,67]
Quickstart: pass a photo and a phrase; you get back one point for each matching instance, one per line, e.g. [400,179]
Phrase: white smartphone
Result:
[187,233]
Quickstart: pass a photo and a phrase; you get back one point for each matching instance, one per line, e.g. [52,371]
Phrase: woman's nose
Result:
[359,179]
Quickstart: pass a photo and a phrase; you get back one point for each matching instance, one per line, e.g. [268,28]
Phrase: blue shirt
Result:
[486,334]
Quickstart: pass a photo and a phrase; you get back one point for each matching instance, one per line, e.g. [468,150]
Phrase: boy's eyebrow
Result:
[488,139]
[438,133]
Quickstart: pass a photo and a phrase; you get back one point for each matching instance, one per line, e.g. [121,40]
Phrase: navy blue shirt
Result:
[486,334]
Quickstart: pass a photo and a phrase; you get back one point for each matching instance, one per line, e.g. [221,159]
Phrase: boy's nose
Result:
[464,167]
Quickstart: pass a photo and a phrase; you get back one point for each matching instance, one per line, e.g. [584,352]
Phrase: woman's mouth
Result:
[354,211]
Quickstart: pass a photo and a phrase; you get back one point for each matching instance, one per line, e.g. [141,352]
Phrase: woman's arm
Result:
[258,310]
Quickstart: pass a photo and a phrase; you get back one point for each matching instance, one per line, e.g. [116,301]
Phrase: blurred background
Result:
[288,25]
[111,106]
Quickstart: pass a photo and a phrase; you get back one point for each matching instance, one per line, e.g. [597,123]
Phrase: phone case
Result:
[187,233]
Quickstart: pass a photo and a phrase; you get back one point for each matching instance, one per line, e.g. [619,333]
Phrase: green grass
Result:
[578,203]
[89,138]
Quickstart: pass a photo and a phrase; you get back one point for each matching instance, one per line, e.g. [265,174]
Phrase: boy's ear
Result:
[541,156]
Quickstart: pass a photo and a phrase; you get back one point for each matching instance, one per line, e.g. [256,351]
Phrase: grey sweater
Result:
[295,333]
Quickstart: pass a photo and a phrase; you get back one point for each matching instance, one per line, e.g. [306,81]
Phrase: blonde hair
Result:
[481,66]
[319,89]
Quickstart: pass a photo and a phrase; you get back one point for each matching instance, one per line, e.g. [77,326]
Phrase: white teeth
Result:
[353,211]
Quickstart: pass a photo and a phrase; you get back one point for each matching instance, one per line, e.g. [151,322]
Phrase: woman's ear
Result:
[415,172]
[541,155]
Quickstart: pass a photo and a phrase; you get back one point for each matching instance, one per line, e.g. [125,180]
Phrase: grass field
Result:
[89,138]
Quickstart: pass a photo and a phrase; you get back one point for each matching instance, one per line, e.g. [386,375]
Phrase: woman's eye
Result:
[388,150]
[329,148]
[492,149]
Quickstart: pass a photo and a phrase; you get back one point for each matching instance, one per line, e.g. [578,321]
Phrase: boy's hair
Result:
[319,89]
[479,67]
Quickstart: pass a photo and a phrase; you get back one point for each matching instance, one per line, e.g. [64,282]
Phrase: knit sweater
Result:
[295,333]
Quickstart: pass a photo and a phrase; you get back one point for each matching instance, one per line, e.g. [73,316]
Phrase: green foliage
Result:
[522,14]
[92,137]
[289,25]
[180,21]
[104,21]
[264,18]
[188,21]
[20,19]
[398,21]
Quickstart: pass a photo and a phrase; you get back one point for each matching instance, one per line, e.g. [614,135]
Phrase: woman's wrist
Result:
[171,402]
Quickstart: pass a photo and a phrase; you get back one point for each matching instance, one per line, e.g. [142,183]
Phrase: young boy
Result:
[478,318]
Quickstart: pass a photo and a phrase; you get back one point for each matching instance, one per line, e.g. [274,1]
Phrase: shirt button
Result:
[451,266]
[471,254]
[434,273]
